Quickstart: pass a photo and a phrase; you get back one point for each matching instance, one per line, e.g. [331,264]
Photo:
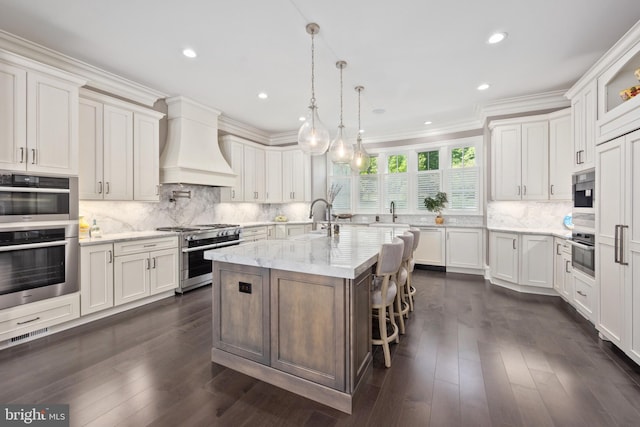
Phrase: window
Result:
[397,163]
[368,187]
[341,175]
[463,180]
[396,181]
[428,177]
[429,161]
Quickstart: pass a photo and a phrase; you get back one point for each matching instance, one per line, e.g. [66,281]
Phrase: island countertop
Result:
[346,255]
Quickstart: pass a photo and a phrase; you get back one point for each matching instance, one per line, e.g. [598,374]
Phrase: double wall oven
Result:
[583,236]
[38,237]
[195,270]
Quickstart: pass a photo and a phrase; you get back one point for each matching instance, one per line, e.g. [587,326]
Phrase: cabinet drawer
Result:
[249,233]
[30,317]
[582,294]
[144,245]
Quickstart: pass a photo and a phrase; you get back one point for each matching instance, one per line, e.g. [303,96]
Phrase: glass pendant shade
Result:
[360,161]
[313,137]
[340,150]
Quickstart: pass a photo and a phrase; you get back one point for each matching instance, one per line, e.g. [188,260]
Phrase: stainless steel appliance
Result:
[583,252]
[584,196]
[37,198]
[37,262]
[195,271]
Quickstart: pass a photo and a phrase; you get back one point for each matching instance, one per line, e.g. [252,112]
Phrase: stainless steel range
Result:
[195,271]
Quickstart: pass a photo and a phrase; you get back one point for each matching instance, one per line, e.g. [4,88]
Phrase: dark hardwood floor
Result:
[474,355]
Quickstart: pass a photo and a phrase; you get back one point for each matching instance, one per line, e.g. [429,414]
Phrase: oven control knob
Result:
[189,237]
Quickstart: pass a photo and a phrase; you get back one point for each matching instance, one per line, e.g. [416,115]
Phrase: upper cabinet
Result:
[38,117]
[296,166]
[119,151]
[531,157]
[254,174]
[273,166]
[583,117]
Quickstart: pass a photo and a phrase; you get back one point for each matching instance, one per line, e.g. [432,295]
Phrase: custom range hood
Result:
[192,154]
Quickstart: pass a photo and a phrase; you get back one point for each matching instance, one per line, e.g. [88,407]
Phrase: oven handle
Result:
[212,246]
[34,190]
[581,245]
[32,246]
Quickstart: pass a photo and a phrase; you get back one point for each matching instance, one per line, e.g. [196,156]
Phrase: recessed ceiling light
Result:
[263,95]
[379,111]
[427,122]
[189,53]
[483,86]
[496,38]
[302,118]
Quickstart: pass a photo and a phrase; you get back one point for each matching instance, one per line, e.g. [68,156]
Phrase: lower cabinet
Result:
[521,259]
[562,271]
[117,273]
[431,247]
[284,231]
[457,249]
[583,294]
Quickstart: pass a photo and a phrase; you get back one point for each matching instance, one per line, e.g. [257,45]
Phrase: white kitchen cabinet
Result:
[560,155]
[285,231]
[617,301]
[234,154]
[273,172]
[144,267]
[96,278]
[504,255]
[255,233]
[119,153]
[583,117]
[38,119]
[295,176]
[562,276]
[583,294]
[520,159]
[464,248]
[431,248]
[254,174]
[271,232]
[522,259]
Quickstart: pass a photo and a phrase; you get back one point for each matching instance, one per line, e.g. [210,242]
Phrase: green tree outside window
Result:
[429,161]
[397,163]
[463,157]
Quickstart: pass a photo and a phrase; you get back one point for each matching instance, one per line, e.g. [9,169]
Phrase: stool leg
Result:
[382,324]
[409,276]
[398,303]
[392,316]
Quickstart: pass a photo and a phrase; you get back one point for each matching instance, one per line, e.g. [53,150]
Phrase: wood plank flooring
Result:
[473,355]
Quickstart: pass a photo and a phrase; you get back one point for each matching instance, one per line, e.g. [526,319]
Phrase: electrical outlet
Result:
[244,287]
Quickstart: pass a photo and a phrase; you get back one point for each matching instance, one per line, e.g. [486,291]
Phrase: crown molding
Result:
[284,138]
[96,77]
[523,104]
[622,46]
[242,130]
[463,126]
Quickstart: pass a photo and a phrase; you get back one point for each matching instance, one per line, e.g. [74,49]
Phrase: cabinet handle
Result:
[108,187]
[514,243]
[524,192]
[157,190]
[33,156]
[581,159]
[28,321]
[566,266]
[110,257]
[233,194]
[577,157]
[255,195]
[518,190]
[148,263]
[150,245]
[558,249]
[447,235]
[266,196]
[622,262]
[581,293]
[21,154]
[552,189]
[99,187]
[616,243]
[154,262]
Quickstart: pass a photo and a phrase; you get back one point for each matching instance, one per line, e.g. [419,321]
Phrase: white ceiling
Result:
[417,59]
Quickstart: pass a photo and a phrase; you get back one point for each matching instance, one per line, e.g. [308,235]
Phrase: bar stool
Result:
[384,293]
[410,289]
[402,305]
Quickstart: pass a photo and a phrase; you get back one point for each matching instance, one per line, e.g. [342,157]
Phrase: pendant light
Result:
[313,137]
[360,159]
[340,150]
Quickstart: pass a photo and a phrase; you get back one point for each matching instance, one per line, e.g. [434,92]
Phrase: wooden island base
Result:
[306,333]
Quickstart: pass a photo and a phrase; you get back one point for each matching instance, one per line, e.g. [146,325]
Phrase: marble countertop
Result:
[403,224]
[345,255]
[123,237]
[264,223]
[556,232]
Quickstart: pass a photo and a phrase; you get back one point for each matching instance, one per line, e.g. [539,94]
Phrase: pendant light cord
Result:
[313,65]
[341,124]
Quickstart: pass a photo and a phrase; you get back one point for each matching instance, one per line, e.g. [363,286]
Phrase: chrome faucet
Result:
[392,211]
[328,207]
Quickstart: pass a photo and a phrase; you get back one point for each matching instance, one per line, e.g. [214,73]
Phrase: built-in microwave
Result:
[584,186]
[37,198]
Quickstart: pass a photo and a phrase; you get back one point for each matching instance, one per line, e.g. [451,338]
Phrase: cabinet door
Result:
[504,252]
[234,154]
[118,153]
[578,127]
[293,178]
[632,255]
[560,164]
[271,232]
[431,248]
[587,156]
[535,160]
[506,168]
[610,190]
[146,158]
[90,181]
[295,230]
[558,267]
[13,118]
[583,297]
[536,254]
[567,281]
[52,125]
[254,174]
[96,278]
[131,277]
[164,271]
[273,172]
[464,248]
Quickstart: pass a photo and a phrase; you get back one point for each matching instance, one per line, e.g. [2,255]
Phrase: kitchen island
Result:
[296,313]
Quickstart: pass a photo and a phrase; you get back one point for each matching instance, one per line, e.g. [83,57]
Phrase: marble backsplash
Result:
[204,207]
[532,215]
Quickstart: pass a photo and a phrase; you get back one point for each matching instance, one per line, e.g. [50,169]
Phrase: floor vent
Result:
[30,335]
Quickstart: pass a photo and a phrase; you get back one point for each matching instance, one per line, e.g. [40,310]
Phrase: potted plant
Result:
[436,204]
